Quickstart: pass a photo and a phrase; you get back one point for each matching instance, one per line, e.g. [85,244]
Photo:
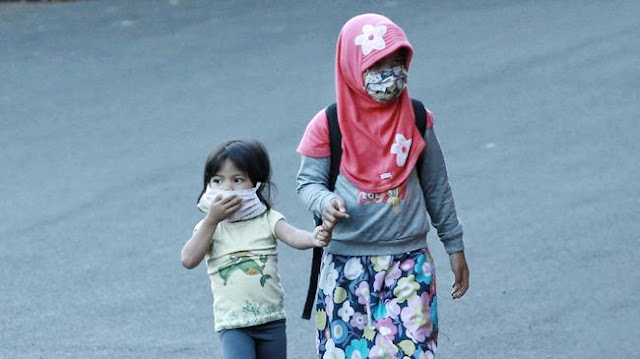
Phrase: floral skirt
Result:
[377,306]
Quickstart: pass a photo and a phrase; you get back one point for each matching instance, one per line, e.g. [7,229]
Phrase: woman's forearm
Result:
[312,180]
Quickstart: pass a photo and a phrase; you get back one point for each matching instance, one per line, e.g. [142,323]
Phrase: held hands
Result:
[221,208]
[321,237]
[334,211]
[461,272]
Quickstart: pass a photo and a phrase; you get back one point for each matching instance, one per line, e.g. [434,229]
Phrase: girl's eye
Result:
[215,180]
[239,180]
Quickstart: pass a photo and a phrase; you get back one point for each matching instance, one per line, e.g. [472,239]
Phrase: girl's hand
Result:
[222,208]
[334,211]
[321,237]
[461,272]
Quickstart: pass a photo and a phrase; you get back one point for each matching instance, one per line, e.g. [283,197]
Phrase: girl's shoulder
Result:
[272,217]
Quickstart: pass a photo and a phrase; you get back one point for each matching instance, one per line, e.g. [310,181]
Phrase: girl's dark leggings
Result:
[264,341]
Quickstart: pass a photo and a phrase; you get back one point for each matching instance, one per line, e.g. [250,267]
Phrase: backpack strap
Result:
[421,123]
[335,142]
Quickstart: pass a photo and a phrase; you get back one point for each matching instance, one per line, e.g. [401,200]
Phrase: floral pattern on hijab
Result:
[371,38]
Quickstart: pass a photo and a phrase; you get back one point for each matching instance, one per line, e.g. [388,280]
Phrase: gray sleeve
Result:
[312,180]
[438,195]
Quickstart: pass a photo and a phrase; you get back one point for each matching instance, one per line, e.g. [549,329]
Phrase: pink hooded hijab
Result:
[380,141]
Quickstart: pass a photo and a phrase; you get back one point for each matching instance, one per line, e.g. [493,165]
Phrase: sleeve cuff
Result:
[454,244]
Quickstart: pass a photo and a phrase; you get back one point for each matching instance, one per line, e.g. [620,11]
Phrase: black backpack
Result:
[335,142]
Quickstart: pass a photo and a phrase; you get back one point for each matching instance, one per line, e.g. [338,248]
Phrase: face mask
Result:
[251,205]
[385,84]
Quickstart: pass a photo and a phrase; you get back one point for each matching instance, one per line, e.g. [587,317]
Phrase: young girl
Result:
[238,238]
[376,295]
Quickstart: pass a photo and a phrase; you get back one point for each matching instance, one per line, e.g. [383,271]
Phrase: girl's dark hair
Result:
[249,156]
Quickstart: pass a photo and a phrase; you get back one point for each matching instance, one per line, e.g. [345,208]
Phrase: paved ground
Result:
[107,109]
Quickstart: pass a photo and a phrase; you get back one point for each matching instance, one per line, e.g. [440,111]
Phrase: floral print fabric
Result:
[377,307]
[371,38]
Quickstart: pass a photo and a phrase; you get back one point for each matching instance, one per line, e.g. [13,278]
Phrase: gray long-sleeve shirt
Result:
[378,224]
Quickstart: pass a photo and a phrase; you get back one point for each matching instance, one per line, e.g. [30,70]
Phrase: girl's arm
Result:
[301,239]
[199,244]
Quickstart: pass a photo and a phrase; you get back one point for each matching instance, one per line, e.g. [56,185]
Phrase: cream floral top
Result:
[243,270]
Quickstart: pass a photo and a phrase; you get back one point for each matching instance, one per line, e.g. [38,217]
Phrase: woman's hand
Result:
[222,208]
[334,211]
[461,272]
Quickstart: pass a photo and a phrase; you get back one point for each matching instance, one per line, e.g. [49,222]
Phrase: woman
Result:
[377,293]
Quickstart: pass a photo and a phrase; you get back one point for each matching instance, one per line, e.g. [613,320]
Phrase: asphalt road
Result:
[108,109]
